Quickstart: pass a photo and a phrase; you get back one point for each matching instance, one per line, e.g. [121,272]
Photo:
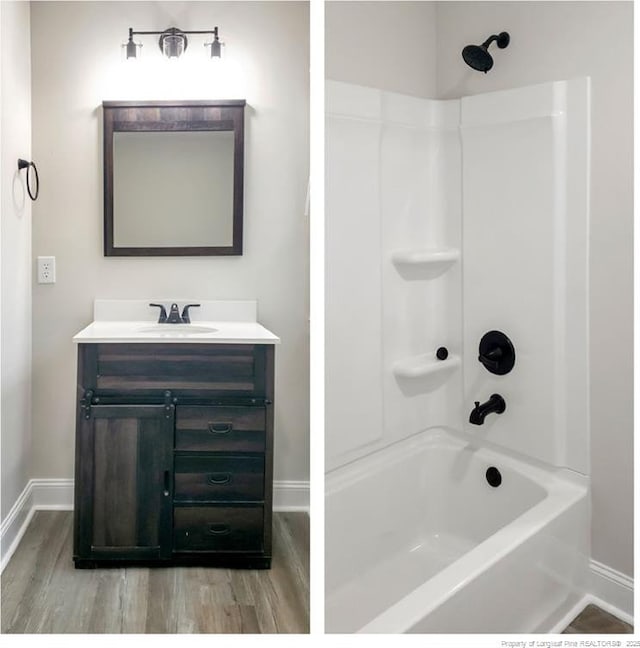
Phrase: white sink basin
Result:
[177,329]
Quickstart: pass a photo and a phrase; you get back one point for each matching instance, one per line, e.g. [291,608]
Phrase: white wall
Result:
[266,62]
[385,45]
[563,40]
[15,251]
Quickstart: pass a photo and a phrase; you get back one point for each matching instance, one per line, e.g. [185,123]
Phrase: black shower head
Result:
[478,57]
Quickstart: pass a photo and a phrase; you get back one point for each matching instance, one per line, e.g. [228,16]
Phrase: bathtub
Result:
[418,541]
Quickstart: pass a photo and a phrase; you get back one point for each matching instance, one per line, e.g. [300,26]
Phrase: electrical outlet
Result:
[46,269]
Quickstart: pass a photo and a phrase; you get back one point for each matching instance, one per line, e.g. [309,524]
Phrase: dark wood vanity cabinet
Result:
[174,454]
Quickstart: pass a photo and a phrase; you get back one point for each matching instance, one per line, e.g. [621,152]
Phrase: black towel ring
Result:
[24,164]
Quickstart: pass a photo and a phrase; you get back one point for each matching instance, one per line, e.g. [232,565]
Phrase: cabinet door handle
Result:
[167,482]
[219,478]
[219,529]
[220,428]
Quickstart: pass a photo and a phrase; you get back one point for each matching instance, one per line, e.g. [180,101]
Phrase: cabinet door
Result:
[124,482]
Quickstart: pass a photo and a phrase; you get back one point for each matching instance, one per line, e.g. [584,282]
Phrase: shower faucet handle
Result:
[491,359]
[497,353]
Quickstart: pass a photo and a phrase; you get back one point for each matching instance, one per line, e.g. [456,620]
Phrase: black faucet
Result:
[479,412]
[174,316]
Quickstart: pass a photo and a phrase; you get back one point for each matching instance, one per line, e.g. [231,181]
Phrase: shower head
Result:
[478,57]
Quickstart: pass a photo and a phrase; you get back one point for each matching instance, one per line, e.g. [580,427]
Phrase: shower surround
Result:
[446,220]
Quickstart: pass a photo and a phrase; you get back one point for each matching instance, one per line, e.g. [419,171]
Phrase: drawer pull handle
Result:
[219,529]
[219,479]
[220,428]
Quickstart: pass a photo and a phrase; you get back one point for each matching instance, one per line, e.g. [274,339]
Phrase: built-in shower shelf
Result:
[429,263]
[425,366]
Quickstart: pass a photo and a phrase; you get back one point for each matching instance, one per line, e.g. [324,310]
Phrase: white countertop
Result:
[107,329]
[225,333]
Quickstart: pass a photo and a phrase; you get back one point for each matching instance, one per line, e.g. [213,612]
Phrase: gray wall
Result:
[563,40]
[265,61]
[15,252]
[386,45]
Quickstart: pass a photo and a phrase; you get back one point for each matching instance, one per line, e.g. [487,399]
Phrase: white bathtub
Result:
[418,541]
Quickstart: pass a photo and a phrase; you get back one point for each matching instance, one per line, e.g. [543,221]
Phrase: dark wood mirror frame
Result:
[142,116]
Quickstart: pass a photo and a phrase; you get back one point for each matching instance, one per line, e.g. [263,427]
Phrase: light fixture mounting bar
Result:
[182,31]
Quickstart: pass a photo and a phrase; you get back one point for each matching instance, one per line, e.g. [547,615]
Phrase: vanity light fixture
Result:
[173,42]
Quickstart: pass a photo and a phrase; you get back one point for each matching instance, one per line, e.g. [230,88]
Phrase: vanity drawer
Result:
[222,429]
[223,528]
[218,479]
[207,370]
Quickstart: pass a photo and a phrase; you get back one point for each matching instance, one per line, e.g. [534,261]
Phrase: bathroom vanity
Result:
[174,439]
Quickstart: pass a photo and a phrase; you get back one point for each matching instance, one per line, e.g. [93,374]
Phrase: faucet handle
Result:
[496,353]
[185,312]
[163,313]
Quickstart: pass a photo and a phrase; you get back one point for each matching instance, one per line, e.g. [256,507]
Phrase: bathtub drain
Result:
[493,476]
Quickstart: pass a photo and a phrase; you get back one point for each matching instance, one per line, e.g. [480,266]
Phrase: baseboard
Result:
[53,494]
[57,494]
[565,620]
[13,526]
[291,496]
[611,590]
[38,494]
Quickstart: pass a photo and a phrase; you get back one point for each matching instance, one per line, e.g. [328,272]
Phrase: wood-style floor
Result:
[594,620]
[42,592]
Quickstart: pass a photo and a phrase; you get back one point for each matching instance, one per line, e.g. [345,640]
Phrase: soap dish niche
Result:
[424,263]
[426,372]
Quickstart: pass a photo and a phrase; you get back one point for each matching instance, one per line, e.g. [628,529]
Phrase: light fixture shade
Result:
[173,43]
[173,46]
[216,48]
[131,49]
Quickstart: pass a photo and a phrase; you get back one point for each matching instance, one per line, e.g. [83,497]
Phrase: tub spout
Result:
[479,412]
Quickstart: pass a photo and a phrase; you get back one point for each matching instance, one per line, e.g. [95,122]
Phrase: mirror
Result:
[161,179]
[173,178]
